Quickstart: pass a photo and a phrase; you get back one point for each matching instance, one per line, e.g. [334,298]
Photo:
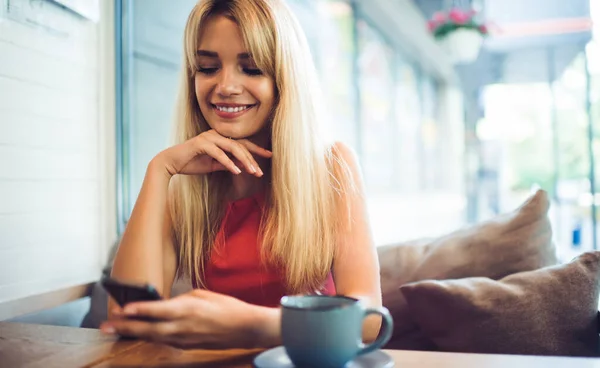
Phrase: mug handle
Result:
[386,333]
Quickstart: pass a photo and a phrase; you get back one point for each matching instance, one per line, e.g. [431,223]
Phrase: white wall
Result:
[56,144]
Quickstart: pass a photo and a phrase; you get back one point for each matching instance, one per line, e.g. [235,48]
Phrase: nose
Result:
[228,84]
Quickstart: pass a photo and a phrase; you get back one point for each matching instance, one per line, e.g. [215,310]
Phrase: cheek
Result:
[200,90]
[266,91]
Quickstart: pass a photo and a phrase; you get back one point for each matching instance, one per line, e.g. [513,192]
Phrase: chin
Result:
[237,130]
[231,131]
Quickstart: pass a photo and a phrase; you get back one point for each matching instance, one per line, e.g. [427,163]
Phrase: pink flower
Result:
[458,16]
[431,25]
[483,29]
[439,17]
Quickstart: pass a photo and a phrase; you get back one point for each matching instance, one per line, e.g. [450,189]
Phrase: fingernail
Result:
[260,172]
[108,329]
[129,310]
[253,169]
[237,170]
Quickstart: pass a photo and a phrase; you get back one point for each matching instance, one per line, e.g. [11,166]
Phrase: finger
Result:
[238,152]
[145,330]
[117,312]
[217,166]
[217,153]
[201,293]
[164,310]
[256,149]
[258,171]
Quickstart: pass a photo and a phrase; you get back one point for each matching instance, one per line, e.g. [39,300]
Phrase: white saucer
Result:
[277,358]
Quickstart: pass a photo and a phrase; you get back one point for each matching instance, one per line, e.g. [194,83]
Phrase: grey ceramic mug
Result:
[326,331]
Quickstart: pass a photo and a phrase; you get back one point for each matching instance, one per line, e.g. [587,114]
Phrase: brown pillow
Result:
[550,311]
[514,242]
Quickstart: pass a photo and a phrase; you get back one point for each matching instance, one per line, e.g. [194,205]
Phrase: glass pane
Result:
[573,213]
[516,136]
[337,70]
[429,135]
[308,15]
[376,83]
[408,123]
[329,27]
[151,47]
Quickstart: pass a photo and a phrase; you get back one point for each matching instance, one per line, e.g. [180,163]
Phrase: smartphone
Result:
[124,292]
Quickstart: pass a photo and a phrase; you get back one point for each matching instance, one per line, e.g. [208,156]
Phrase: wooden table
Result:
[23,345]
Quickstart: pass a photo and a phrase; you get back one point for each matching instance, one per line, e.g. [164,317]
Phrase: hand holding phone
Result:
[124,292]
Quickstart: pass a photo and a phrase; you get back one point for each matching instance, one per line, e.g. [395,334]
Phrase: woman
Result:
[250,204]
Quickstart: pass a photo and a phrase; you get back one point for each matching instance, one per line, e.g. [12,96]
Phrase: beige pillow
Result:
[514,242]
[550,311]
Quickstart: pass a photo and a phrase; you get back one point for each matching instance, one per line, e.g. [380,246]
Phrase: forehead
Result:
[221,33]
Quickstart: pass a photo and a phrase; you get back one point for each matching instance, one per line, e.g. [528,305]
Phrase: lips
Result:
[230,111]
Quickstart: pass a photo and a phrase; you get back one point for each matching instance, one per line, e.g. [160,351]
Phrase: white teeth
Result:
[232,109]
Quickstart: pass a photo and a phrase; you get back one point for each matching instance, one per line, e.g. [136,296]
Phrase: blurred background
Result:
[442,143]
[451,129]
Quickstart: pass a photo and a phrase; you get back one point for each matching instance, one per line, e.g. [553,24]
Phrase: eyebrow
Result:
[212,54]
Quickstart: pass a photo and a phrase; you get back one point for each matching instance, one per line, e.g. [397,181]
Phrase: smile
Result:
[231,111]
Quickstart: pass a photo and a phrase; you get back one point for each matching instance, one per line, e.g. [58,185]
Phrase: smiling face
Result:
[234,96]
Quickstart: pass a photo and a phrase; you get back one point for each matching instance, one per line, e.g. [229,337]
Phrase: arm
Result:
[216,320]
[355,266]
[146,253]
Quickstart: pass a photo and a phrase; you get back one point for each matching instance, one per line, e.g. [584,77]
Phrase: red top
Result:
[235,267]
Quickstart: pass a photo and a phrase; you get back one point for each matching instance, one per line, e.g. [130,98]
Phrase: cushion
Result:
[99,298]
[514,242]
[549,311]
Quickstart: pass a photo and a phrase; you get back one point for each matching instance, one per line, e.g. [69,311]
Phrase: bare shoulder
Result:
[347,157]
[346,167]
[344,153]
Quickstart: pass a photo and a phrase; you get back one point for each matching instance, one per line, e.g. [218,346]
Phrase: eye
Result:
[253,71]
[207,71]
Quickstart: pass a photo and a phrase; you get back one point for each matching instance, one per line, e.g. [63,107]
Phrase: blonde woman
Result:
[251,204]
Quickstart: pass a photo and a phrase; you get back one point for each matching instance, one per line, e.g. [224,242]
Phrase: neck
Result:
[246,185]
[262,139]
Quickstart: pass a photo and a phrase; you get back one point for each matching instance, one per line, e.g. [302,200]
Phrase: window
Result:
[149,51]
[408,121]
[329,26]
[376,84]
[336,66]
[430,136]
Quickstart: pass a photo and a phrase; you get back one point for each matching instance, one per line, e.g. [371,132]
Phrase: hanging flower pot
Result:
[462,45]
[459,34]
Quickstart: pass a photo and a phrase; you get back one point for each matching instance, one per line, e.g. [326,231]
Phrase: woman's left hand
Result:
[198,319]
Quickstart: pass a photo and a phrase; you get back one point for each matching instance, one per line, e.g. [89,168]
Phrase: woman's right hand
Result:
[208,152]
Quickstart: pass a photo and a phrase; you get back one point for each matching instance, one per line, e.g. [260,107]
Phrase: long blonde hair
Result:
[301,221]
